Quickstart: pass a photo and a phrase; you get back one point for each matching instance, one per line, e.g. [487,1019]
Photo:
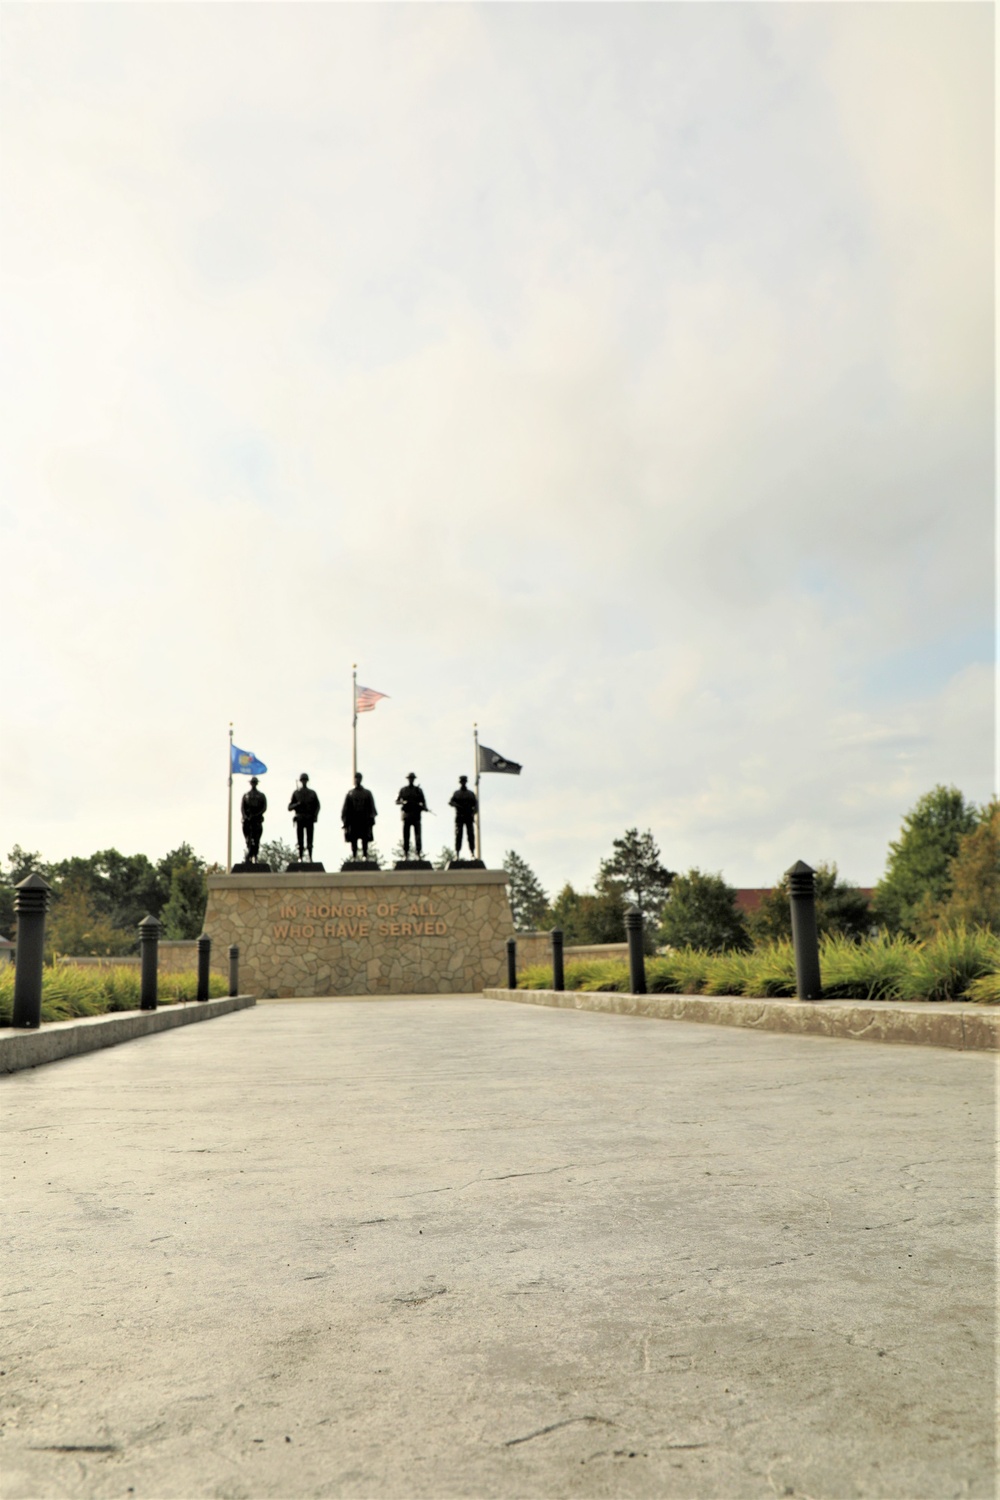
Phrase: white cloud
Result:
[619,378]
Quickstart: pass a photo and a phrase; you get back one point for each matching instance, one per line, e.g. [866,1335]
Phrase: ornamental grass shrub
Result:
[960,964]
[68,991]
[985,991]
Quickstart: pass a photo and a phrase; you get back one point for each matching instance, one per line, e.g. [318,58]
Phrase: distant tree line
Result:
[98,901]
[942,871]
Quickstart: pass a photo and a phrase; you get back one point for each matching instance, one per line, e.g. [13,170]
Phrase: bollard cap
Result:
[149,926]
[801,883]
[633,914]
[32,894]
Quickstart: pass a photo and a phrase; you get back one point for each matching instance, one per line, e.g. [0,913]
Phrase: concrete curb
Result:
[970,1028]
[58,1039]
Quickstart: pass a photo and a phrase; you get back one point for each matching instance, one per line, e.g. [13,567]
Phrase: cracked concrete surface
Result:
[452,1247]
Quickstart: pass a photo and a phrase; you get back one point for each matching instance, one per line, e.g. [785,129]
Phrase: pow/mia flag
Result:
[489,760]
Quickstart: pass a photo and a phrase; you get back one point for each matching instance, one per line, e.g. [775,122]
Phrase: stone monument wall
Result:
[381,933]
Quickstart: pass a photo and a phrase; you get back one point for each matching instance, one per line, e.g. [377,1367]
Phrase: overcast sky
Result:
[617,376]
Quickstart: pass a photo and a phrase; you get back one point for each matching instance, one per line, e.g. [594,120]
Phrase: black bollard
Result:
[234,969]
[558,977]
[802,899]
[636,957]
[31,902]
[512,963]
[149,949]
[204,960]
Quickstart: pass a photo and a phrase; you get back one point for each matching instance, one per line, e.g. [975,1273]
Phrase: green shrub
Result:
[878,969]
[683,972]
[944,967]
[68,990]
[985,991]
[581,974]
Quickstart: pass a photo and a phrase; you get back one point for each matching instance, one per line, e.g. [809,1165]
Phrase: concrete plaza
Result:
[454,1247]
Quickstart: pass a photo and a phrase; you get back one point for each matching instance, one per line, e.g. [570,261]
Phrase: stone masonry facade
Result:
[380,933]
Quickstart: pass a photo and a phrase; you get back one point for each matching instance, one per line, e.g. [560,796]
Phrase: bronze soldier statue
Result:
[305,806]
[413,802]
[252,808]
[358,817]
[465,804]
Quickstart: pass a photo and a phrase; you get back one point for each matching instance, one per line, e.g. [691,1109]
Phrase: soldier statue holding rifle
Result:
[414,804]
[465,804]
[305,807]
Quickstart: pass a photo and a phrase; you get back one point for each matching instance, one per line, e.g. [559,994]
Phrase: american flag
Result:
[365,699]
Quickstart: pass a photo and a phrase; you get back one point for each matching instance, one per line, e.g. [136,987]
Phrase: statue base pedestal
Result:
[466,864]
[350,865]
[303,867]
[413,864]
[365,932]
[245,867]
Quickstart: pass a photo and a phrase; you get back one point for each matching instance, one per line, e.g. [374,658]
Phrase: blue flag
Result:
[245,763]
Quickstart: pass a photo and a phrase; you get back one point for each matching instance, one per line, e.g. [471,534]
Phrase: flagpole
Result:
[229,834]
[479,832]
[354,701]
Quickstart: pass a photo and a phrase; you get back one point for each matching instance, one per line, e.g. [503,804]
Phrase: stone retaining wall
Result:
[380,933]
[536,948]
[176,956]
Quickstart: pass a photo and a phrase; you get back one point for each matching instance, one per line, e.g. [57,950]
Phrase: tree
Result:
[974,875]
[278,854]
[920,859]
[841,909]
[75,926]
[701,912]
[21,864]
[444,858]
[184,914]
[528,902]
[586,918]
[121,888]
[634,868]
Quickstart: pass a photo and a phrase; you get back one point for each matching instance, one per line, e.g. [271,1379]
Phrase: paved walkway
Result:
[441,1248]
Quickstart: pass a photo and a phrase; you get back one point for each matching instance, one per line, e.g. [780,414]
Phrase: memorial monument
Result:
[412,930]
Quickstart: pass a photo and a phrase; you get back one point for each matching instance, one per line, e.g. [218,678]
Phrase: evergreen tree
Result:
[528,902]
[701,912]
[635,869]
[917,876]
[841,908]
